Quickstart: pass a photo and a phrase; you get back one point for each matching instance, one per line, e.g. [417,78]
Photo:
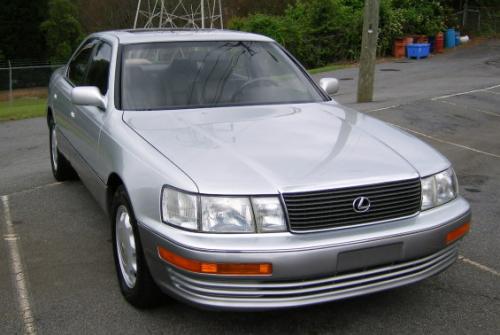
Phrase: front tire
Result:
[134,278]
[61,168]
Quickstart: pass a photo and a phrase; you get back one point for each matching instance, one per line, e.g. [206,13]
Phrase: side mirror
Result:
[88,96]
[329,85]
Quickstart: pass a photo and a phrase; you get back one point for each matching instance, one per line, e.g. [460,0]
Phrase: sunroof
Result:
[161,30]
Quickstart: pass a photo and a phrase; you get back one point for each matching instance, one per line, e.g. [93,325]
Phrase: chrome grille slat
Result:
[358,216]
[348,211]
[344,218]
[327,209]
[335,198]
[347,223]
[329,204]
[344,190]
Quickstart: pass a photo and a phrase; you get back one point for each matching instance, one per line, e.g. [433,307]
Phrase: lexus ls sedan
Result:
[233,181]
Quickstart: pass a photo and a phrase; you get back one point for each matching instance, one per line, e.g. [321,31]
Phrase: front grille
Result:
[327,209]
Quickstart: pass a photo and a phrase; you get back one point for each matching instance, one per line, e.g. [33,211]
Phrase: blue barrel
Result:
[457,38]
[432,42]
[450,38]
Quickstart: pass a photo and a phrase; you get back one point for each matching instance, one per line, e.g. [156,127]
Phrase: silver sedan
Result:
[233,181]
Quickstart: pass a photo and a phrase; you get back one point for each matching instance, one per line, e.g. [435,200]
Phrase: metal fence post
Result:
[202,4]
[220,12]
[10,83]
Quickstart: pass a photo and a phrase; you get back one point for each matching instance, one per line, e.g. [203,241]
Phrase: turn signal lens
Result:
[179,261]
[250,269]
[179,209]
[457,233]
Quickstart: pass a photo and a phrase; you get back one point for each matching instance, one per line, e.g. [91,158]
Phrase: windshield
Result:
[209,74]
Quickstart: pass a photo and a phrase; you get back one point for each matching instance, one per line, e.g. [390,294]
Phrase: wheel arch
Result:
[114,181]
[50,115]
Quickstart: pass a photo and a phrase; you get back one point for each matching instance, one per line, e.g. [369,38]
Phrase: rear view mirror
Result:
[329,85]
[88,96]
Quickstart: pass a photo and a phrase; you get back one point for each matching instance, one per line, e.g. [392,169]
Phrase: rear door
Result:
[75,75]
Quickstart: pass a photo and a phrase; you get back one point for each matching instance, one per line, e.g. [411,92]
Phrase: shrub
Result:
[421,16]
[319,32]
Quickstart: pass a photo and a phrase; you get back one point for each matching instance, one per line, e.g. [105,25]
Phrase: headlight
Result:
[226,215]
[439,189]
[217,214]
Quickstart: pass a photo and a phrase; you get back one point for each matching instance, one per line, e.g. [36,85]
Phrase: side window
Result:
[99,68]
[79,65]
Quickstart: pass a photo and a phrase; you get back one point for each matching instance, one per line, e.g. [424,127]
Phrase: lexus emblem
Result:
[361,204]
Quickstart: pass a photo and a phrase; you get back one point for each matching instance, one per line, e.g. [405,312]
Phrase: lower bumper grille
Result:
[271,294]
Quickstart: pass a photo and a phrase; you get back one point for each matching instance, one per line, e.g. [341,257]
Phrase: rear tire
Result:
[136,284]
[61,168]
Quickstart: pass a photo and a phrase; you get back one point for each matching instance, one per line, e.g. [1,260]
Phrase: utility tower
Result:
[179,14]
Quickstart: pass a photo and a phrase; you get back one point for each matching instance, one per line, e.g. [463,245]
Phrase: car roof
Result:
[133,36]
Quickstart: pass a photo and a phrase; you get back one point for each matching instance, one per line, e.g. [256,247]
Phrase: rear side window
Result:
[98,74]
[79,65]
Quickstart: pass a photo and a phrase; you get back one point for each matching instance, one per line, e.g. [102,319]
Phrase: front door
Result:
[91,118]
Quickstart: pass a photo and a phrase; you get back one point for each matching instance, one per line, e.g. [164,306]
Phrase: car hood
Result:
[283,148]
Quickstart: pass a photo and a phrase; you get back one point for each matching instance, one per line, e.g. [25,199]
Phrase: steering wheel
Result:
[252,83]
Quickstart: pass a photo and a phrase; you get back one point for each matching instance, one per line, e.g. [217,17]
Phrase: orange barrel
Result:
[439,43]
[398,49]
[422,39]
[408,40]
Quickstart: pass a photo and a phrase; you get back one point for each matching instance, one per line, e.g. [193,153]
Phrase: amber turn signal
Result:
[249,269]
[457,233]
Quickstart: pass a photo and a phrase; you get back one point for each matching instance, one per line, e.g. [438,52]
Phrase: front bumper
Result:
[341,264]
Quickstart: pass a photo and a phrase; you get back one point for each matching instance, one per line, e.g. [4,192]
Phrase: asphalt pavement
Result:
[56,266]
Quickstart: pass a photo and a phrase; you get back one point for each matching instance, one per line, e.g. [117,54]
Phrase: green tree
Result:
[62,29]
[20,27]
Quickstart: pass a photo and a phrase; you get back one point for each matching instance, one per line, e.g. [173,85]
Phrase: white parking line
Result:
[32,189]
[463,93]
[447,142]
[491,92]
[479,266]
[18,272]
[383,108]
[469,108]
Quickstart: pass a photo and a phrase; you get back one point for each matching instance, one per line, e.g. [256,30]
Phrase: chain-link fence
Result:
[490,20]
[482,20]
[23,88]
